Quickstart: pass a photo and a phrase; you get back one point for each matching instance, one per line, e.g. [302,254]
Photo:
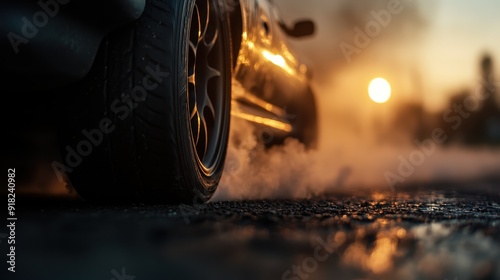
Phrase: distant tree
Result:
[480,125]
[489,115]
[458,128]
[490,104]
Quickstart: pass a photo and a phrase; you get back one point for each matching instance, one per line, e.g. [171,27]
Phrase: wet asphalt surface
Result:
[402,235]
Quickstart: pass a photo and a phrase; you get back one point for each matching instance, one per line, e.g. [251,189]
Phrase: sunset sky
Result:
[459,33]
[441,42]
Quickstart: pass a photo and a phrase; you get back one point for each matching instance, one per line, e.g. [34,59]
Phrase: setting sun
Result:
[379,90]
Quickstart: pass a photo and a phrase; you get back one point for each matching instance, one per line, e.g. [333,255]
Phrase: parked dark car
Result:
[147,87]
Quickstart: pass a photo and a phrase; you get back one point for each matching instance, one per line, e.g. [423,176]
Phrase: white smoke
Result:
[345,162]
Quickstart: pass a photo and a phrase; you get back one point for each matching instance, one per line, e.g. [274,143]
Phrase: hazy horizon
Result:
[431,48]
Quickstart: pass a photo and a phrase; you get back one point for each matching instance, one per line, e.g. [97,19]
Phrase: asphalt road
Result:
[409,235]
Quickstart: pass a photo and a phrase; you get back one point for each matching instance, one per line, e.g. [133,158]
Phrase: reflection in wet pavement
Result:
[381,236]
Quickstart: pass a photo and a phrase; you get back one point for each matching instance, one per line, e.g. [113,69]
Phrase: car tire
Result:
[155,108]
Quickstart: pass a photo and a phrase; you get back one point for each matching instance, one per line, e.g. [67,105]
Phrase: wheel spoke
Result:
[212,42]
[204,124]
[195,32]
[194,111]
[208,104]
[192,59]
[198,127]
[212,72]
[192,80]
[193,48]
[203,14]
[208,15]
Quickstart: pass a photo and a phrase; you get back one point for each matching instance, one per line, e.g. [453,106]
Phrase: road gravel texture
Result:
[405,235]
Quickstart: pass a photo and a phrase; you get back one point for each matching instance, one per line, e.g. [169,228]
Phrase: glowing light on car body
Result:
[278,60]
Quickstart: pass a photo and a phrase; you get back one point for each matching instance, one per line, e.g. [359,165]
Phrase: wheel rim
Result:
[205,85]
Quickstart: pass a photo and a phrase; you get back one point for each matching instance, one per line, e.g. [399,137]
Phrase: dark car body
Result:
[51,43]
